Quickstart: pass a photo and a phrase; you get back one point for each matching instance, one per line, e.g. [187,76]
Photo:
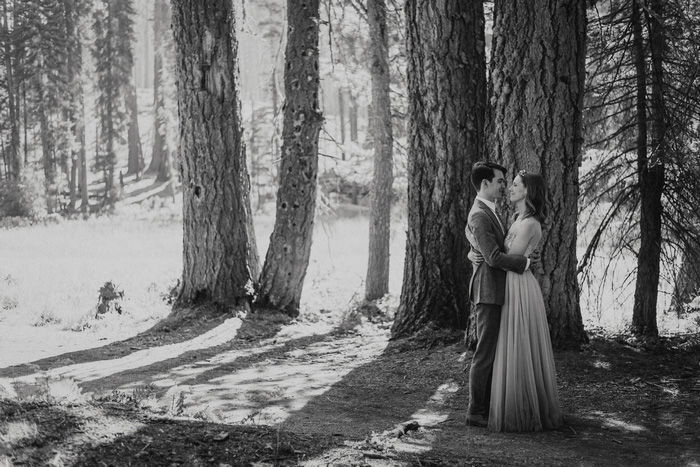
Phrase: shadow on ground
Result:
[354,398]
[181,327]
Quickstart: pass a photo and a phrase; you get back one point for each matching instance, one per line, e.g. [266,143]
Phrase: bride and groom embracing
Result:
[512,380]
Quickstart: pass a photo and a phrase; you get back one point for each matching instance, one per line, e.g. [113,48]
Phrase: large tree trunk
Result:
[651,184]
[536,91]
[287,257]
[160,161]
[135,162]
[377,283]
[13,154]
[220,258]
[447,100]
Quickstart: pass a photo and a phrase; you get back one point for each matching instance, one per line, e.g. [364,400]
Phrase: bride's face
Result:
[517,190]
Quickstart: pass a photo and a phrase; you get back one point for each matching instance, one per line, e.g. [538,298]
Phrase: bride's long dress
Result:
[524,387]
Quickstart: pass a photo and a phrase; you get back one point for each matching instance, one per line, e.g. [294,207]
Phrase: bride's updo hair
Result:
[536,200]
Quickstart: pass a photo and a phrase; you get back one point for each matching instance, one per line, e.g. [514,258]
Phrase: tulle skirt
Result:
[524,387]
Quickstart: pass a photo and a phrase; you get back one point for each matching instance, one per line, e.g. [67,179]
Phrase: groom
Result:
[486,234]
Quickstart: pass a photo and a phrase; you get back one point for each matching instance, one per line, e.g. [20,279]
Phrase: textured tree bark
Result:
[287,257]
[220,261]
[651,183]
[446,76]
[377,282]
[536,95]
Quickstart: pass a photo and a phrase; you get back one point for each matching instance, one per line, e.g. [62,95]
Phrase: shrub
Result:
[24,198]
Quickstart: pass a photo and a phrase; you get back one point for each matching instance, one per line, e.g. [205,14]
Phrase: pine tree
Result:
[641,176]
[113,28]
[220,261]
[377,283]
[163,94]
[11,154]
[287,258]
[446,116]
[74,13]
[536,91]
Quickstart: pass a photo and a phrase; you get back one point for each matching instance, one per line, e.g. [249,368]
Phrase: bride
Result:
[524,387]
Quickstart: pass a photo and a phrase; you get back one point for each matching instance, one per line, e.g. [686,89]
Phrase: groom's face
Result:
[496,187]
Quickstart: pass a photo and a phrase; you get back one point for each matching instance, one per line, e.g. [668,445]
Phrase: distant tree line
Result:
[66,66]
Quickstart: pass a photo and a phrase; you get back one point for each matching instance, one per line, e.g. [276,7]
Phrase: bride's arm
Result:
[529,229]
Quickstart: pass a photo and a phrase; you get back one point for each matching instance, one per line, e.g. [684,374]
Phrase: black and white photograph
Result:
[350,233]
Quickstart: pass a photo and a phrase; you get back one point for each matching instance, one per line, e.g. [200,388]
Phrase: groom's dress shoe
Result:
[477,420]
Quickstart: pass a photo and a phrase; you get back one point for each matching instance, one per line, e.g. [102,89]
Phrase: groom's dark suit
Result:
[487,292]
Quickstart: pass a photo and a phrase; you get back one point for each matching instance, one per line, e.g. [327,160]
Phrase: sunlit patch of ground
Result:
[268,392]
[89,371]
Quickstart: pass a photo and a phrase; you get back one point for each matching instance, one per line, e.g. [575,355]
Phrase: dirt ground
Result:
[219,390]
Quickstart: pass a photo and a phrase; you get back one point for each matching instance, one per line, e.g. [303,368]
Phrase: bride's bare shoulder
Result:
[531,225]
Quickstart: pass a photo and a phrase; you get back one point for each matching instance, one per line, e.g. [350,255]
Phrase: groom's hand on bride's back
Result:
[475,257]
[534,258]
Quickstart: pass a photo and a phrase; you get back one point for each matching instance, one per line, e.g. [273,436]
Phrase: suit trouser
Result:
[488,322]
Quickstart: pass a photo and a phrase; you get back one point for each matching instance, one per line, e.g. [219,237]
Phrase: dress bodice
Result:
[513,233]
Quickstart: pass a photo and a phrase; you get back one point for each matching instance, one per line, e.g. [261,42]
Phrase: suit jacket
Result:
[488,282]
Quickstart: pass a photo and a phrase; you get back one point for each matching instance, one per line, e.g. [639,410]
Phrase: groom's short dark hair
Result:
[484,171]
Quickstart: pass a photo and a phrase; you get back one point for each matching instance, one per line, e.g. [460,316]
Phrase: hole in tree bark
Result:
[197,191]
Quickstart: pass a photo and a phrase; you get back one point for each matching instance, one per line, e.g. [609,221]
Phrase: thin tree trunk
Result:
[25,118]
[110,156]
[220,261]
[160,161]
[47,152]
[287,257]
[377,283]
[3,167]
[82,159]
[341,119]
[536,88]
[135,162]
[74,113]
[13,153]
[446,76]
[651,181]
[353,118]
